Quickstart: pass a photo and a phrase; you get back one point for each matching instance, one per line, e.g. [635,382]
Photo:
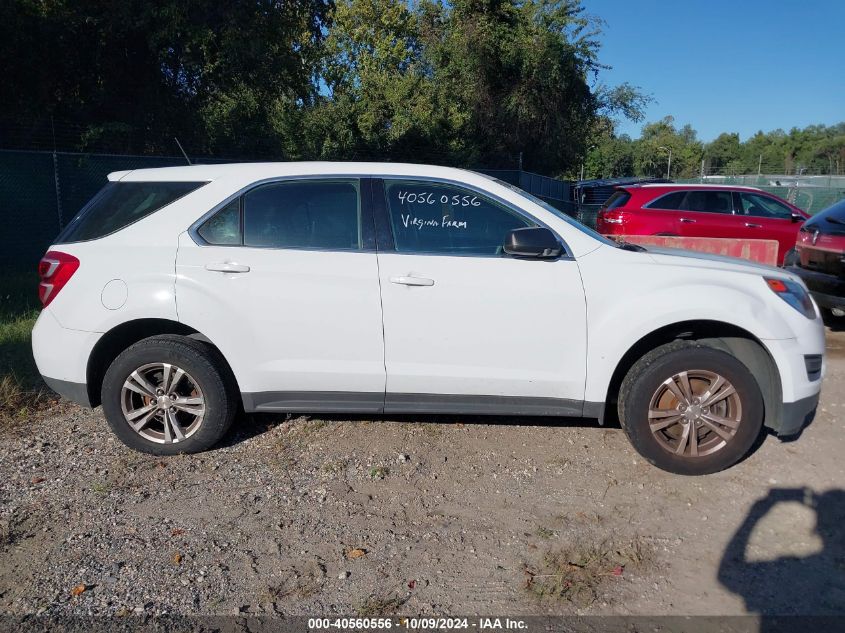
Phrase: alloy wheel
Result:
[694,413]
[162,403]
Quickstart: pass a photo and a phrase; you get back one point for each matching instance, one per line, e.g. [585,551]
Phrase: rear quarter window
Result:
[619,198]
[670,201]
[120,204]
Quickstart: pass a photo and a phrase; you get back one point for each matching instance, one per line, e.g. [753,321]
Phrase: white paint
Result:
[114,294]
[312,320]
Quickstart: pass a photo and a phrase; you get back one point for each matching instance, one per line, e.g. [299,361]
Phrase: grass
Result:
[580,573]
[376,607]
[21,388]
[379,472]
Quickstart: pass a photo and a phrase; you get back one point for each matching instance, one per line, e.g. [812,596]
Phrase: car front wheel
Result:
[691,410]
[168,394]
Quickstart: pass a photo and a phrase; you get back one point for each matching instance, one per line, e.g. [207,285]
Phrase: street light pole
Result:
[669,166]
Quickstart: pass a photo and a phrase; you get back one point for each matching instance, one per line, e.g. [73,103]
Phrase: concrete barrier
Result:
[762,251]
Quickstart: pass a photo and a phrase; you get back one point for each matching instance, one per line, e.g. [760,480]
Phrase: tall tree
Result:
[142,71]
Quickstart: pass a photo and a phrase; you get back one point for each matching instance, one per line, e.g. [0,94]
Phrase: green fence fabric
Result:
[28,209]
[40,192]
[811,193]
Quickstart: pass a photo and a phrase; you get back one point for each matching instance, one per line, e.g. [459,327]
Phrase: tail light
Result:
[55,269]
[611,217]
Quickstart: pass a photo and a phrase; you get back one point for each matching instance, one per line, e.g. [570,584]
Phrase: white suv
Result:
[179,294]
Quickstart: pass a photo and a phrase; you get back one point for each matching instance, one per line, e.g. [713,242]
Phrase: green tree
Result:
[215,74]
[517,72]
[652,150]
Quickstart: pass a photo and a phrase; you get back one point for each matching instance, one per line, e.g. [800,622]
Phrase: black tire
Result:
[644,380]
[204,365]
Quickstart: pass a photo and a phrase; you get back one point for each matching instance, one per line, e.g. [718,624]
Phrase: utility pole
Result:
[669,165]
[760,165]
[702,169]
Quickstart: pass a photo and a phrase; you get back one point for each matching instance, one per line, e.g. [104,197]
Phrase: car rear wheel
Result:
[169,394]
[691,410]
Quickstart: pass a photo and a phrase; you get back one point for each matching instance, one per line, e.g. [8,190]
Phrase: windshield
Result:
[557,212]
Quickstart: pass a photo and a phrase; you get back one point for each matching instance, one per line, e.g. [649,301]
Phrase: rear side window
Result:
[670,202]
[708,201]
[619,198]
[303,214]
[224,227]
[120,204]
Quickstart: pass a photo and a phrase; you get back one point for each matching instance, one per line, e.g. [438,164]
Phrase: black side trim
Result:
[314,401]
[74,391]
[594,410]
[384,232]
[368,229]
[353,402]
[481,405]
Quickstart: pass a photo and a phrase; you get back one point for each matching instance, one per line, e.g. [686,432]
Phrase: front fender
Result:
[627,302]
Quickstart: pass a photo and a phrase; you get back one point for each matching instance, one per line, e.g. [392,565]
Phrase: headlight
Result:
[794,294]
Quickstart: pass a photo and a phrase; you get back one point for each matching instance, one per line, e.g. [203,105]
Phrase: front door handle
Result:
[412,281]
[687,221]
[751,225]
[227,267]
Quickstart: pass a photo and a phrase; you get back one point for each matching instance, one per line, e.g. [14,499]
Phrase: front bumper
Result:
[796,415]
[828,290]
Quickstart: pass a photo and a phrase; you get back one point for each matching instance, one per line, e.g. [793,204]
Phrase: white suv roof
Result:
[257,171]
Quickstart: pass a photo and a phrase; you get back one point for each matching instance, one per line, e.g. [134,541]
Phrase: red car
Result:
[701,211]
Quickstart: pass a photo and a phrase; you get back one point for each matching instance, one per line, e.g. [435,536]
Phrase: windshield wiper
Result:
[627,246]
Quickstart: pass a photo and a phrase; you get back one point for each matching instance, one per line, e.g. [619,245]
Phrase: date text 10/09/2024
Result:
[417,624]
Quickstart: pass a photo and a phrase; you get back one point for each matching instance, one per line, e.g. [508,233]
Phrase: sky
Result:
[727,66]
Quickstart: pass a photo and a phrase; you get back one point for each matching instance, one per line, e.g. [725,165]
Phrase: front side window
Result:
[429,217]
[764,207]
[120,204]
[708,201]
[303,214]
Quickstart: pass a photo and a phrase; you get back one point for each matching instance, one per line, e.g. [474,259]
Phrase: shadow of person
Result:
[811,585]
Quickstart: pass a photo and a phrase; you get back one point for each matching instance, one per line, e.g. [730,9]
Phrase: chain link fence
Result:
[42,191]
[811,193]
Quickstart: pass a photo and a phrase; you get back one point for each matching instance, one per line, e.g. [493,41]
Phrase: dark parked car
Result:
[820,258]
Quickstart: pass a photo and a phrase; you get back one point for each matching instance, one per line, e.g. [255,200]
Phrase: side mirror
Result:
[797,217]
[534,241]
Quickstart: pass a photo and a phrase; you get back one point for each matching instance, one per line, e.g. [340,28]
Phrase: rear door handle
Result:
[412,281]
[687,221]
[227,267]
[751,225]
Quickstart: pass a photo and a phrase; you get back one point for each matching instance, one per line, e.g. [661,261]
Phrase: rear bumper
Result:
[61,355]
[74,391]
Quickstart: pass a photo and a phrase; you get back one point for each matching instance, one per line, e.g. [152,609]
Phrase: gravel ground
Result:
[437,516]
